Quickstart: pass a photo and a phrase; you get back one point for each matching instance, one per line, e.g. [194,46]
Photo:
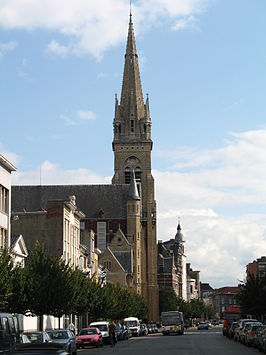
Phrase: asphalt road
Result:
[193,342]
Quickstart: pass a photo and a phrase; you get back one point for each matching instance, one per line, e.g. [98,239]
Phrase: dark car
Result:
[203,325]
[89,337]
[9,334]
[154,328]
[232,329]
[38,337]
[40,349]
[260,339]
[251,330]
[143,329]
[65,337]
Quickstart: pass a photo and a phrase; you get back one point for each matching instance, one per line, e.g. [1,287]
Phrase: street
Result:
[193,342]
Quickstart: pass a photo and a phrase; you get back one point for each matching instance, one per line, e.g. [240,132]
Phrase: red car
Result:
[89,336]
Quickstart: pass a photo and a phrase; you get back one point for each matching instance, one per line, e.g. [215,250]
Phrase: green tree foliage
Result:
[252,296]
[196,308]
[47,285]
[48,288]
[168,301]
[6,271]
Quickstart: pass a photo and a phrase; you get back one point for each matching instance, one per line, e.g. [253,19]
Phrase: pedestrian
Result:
[72,328]
[111,330]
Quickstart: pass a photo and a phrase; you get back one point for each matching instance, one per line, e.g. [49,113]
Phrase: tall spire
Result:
[131,80]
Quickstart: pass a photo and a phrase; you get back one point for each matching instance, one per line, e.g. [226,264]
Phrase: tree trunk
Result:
[41,322]
[59,319]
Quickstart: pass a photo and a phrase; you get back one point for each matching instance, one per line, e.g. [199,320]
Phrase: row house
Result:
[6,168]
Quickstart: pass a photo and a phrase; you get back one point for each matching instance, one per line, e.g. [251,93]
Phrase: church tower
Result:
[132,146]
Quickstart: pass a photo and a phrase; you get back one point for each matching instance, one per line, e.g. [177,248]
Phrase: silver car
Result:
[64,337]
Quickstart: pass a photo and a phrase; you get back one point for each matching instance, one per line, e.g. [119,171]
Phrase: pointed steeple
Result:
[131,94]
[134,194]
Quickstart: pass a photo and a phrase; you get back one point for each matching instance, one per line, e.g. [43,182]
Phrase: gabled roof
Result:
[18,246]
[227,290]
[95,201]
[6,164]
[109,254]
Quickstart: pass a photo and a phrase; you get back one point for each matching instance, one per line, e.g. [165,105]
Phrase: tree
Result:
[252,295]
[6,271]
[168,300]
[48,289]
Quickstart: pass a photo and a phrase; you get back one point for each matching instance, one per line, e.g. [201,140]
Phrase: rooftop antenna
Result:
[130,7]
[40,175]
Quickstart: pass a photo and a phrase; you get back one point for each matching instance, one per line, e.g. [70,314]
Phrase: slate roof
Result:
[90,199]
[125,259]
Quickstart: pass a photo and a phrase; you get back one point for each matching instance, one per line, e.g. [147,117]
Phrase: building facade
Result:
[173,249]
[57,227]
[5,200]
[257,268]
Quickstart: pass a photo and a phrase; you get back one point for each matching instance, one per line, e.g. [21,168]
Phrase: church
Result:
[122,214]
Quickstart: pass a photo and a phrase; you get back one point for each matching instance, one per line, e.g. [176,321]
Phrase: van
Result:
[103,328]
[133,324]
[9,333]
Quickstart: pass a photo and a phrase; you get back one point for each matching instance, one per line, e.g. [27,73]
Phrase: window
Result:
[132,126]
[3,199]
[3,237]
[107,265]
[101,235]
[127,175]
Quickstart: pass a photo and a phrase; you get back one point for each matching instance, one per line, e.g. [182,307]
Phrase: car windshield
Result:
[35,337]
[58,335]
[88,331]
[102,327]
[131,323]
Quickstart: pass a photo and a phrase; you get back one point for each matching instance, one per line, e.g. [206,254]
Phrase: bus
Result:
[172,322]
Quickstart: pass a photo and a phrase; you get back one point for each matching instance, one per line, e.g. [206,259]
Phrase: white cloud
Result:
[79,117]
[49,173]
[93,27]
[58,49]
[84,115]
[214,191]
[7,47]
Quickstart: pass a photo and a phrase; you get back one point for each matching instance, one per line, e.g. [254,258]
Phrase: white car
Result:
[103,328]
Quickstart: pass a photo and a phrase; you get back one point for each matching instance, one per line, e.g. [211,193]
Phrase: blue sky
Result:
[203,63]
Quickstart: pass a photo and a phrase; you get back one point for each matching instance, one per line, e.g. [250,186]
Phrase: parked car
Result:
[143,329]
[203,325]
[24,339]
[65,337]
[38,337]
[40,349]
[127,331]
[89,337]
[260,339]
[9,333]
[252,329]
[149,328]
[240,327]
[154,328]
[103,328]
[232,329]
